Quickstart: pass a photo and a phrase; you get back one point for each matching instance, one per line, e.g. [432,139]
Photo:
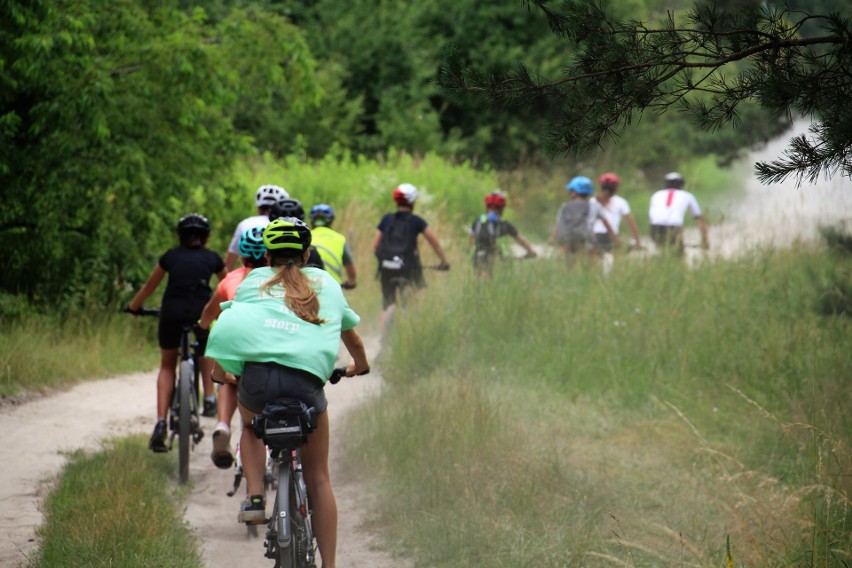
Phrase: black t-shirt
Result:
[416,225]
[189,272]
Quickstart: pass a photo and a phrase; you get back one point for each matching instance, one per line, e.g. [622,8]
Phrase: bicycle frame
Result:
[279,536]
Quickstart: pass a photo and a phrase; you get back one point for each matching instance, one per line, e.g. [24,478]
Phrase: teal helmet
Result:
[251,243]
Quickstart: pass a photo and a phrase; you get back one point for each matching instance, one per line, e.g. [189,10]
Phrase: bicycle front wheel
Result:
[185,377]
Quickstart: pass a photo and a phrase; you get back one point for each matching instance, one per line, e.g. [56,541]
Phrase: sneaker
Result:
[158,438]
[252,511]
[209,407]
[221,455]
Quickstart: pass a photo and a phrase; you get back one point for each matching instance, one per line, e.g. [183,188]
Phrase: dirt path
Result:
[38,434]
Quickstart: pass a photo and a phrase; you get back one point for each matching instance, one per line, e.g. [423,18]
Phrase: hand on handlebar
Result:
[348,285]
[347,371]
[444,266]
[531,254]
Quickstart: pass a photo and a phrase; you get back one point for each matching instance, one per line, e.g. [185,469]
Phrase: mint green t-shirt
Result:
[259,327]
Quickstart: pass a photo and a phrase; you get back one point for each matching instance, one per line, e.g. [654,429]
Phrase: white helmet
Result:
[269,195]
[674,180]
[405,194]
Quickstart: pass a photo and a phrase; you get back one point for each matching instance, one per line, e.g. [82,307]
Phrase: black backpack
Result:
[485,235]
[394,252]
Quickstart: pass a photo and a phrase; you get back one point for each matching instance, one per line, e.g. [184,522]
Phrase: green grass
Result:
[117,507]
[39,352]
[555,418]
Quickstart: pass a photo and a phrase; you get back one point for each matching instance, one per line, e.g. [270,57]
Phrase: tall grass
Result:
[39,351]
[116,508]
[556,418]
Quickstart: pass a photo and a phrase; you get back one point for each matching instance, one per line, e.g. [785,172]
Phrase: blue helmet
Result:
[251,243]
[322,214]
[581,185]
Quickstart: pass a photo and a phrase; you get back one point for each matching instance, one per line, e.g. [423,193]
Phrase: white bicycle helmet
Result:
[405,194]
[269,195]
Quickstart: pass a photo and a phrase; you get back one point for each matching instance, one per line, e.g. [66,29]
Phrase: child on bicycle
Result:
[395,246]
[253,255]
[486,235]
[281,334]
[189,267]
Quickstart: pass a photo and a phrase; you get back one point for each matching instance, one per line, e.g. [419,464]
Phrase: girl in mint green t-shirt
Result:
[281,334]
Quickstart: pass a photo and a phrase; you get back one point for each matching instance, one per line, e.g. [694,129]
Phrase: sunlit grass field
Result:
[550,417]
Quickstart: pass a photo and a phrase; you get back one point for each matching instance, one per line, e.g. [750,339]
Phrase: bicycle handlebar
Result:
[143,311]
[339,373]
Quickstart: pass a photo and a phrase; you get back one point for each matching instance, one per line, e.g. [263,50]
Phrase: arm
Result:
[519,238]
[211,311]
[634,228]
[612,234]
[153,282]
[351,275]
[355,347]
[376,240]
[702,226]
[436,246]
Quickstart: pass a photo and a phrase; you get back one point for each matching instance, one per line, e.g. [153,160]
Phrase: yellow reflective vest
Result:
[329,243]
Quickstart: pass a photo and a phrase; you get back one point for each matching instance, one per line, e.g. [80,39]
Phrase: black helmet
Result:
[287,207]
[287,236]
[193,224]
[674,180]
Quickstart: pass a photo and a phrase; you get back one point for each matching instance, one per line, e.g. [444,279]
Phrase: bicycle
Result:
[284,427]
[184,422]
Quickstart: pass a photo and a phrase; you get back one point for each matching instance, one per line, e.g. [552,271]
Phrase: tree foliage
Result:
[116,119]
[710,63]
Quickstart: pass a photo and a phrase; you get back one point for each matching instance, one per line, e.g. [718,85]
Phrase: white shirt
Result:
[615,209]
[669,206]
[245,225]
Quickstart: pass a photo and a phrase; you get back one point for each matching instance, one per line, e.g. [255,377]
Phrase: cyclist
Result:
[290,207]
[615,208]
[264,198]
[332,246]
[576,218]
[253,254]
[395,245]
[189,266]
[281,334]
[667,211]
[487,231]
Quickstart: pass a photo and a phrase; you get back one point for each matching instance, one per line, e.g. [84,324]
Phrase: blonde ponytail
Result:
[298,294]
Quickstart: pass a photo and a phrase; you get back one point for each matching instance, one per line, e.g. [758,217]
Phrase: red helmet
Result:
[495,199]
[608,181]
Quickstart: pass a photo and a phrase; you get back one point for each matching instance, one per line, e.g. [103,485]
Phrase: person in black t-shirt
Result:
[486,234]
[189,266]
[395,245]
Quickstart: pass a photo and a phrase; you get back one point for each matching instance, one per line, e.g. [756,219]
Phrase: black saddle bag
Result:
[285,424]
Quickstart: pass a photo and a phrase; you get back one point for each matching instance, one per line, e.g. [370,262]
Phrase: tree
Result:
[116,118]
[720,57]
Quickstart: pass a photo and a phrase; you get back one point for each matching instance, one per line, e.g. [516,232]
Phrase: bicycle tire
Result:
[184,418]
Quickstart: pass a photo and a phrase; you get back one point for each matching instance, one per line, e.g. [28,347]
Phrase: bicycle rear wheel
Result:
[185,377]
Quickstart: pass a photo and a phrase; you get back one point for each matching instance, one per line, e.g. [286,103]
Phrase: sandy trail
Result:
[40,433]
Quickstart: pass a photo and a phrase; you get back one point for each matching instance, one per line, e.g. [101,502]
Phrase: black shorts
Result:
[603,242]
[396,280]
[262,382]
[174,315]
[668,236]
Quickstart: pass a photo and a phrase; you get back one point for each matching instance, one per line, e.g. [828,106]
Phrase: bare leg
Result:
[227,403]
[166,381]
[206,367]
[318,480]
[253,454]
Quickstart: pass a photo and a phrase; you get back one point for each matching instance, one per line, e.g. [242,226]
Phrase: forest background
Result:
[116,119]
